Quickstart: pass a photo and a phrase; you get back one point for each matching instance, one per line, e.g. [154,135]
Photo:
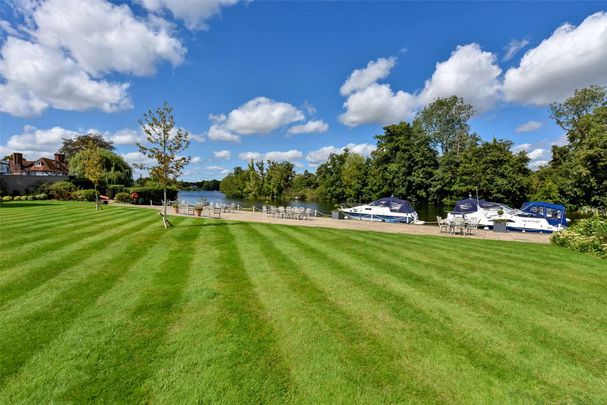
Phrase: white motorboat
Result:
[532,217]
[388,209]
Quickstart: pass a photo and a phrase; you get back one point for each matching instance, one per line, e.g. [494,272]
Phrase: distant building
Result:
[41,167]
[4,167]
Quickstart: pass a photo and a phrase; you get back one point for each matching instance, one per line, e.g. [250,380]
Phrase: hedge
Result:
[154,193]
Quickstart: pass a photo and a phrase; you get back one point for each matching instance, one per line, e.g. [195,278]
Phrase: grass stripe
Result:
[22,337]
[35,235]
[544,328]
[50,245]
[454,339]
[358,351]
[96,327]
[47,219]
[117,370]
[36,276]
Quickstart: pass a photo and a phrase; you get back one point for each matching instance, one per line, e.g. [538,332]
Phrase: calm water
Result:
[425,212]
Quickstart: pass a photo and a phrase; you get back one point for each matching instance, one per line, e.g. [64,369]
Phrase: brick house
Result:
[41,167]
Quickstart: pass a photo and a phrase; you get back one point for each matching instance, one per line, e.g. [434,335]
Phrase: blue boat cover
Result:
[554,213]
[395,204]
[470,205]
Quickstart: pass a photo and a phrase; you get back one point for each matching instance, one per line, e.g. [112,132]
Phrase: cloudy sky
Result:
[287,80]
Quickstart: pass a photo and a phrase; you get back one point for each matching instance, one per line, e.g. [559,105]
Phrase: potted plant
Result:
[198,209]
[500,224]
[175,208]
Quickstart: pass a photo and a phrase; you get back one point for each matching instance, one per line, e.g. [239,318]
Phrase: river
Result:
[425,212]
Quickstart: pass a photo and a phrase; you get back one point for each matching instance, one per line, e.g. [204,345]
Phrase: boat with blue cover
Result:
[535,216]
[387,209]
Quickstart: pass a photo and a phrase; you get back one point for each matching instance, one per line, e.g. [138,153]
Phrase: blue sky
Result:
[261,68]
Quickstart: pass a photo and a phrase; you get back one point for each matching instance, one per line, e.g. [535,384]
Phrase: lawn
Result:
[109,306]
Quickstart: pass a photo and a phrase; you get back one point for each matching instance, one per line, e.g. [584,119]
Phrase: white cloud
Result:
[218,132]
[362,78]
[536,153]
[38,77]
[529,126]
[215,168]
[571,58]
[260,115]
[194,13]
[469,73]
[222,154]
[250,156]
[69,46]
[310,127]
[289,155]
[35,143]
[278,156]
[513,48]
[378,104]
[321,155]
[196,159]
[137,158]
[125,137]
[104,38]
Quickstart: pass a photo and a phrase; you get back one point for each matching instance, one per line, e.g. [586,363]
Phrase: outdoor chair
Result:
[442,223]
[472,226]
[458,225]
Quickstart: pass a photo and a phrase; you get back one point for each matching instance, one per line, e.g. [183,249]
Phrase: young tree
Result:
[92,167]
[166,144]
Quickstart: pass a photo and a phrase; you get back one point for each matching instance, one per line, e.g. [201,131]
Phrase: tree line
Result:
[438,159]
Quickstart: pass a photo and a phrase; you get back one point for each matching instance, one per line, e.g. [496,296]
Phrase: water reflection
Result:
[425,212]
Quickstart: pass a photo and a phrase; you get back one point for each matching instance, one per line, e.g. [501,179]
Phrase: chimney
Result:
[59,157]
[18,160]
[16,163]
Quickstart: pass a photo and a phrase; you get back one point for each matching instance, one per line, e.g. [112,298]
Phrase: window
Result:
[552,213]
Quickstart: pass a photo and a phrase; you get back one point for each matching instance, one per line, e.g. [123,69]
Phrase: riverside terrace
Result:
[323,222]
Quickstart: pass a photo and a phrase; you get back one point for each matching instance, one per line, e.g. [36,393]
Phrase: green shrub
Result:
[41,196]
[30,198]
[7,198]
[112,189]
[123,197]
[84,195]
[587,236]
[43,188]
[154,193]
[62,190]
[17,198]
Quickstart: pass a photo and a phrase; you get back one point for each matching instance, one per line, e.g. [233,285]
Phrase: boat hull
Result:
[380,218]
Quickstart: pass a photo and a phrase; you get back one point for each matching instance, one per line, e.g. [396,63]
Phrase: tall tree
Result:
[330,179]
[70,147]
[354,176]
[495,171]
[445,121]
[577,173]
[569,114]
[403,163]
[279,177]
[92,166]
[165,146]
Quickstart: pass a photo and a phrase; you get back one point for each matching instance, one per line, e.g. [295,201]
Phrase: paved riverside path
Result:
[352,224]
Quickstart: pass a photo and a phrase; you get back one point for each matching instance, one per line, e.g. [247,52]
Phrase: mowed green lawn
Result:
[109,306]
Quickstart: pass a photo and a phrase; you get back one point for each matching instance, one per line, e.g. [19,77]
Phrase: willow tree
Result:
[92,167]
[165,146]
